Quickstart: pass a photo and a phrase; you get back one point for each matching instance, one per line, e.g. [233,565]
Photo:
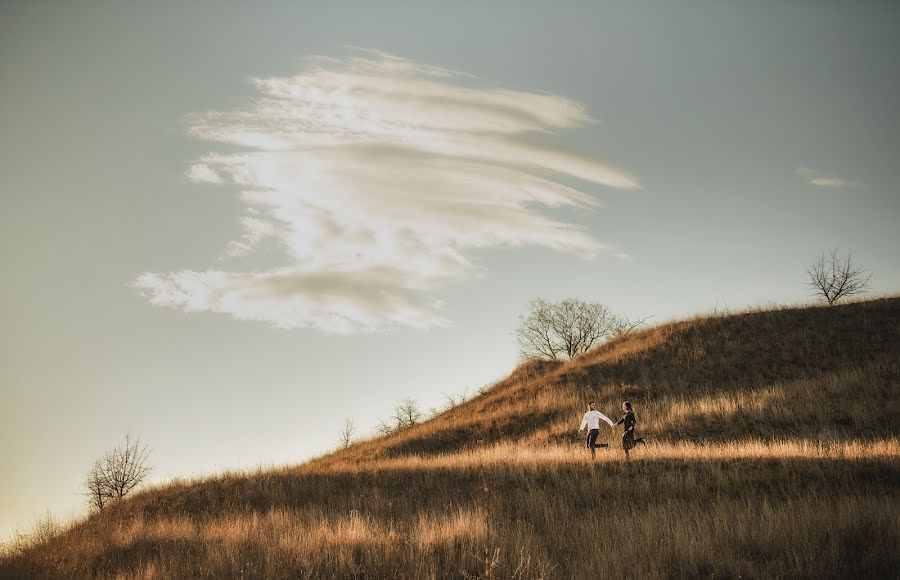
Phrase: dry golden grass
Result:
[773,454]
[752,509]
[546,456]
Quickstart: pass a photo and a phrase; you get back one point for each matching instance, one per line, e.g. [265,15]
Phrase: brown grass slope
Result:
[818,373]
[774,454]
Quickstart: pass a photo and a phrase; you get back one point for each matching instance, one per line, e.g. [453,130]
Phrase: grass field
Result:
[773,453]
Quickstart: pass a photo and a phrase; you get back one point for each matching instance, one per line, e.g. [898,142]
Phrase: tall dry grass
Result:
[749,509]
[773,454]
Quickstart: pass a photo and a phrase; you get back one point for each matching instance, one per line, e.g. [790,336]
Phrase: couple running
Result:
[592,420]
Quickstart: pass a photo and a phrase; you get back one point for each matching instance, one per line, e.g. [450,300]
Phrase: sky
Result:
[226,227]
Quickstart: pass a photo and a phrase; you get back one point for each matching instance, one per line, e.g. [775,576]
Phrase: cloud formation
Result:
[375,176]
[813,177]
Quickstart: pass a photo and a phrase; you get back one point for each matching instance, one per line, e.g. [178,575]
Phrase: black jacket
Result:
[629,420]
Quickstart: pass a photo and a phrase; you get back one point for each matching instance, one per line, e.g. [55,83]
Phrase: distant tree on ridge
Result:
[833,277]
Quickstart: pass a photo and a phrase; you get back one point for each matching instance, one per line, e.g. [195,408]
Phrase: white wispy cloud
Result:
[813,177]
[202,173]
[376,175]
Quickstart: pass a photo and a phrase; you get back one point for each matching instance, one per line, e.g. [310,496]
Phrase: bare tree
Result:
[118,472]
[407,413]
[97,492]
[345,438]
[536,334]
[579,325]
[592,324]
[832,277]
[567,328]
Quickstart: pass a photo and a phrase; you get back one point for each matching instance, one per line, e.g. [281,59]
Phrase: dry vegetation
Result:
[774,453]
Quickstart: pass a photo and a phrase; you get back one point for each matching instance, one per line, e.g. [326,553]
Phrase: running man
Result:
[591,420]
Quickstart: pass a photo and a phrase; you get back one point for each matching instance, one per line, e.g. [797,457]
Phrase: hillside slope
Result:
[816,373]
[774,453]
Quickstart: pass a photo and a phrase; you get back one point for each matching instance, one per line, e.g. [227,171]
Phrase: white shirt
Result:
[592,420]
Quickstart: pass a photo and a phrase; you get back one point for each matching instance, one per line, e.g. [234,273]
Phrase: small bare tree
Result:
[345,438]
[97,492]
[407,413]
[833,277]
[118,472]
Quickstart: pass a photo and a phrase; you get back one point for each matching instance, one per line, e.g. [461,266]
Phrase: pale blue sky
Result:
[726,115]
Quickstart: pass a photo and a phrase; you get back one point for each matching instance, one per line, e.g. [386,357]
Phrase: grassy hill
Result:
[773,453]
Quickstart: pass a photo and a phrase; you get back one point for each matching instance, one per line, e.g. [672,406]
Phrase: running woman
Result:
[628,420]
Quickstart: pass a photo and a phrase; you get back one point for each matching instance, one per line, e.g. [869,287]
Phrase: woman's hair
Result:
[627,405]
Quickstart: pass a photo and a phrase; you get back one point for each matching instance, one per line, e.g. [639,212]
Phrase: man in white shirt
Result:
[591,420]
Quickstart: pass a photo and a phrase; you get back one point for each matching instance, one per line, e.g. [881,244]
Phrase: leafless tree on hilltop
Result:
[832,277]
[118,472]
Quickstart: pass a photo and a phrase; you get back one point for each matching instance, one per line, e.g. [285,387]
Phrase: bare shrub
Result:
[623,326]
[45,529]
[385,427]
[407,413]
[455,400]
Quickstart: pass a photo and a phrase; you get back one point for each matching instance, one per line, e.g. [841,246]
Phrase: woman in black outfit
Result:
[628,420]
